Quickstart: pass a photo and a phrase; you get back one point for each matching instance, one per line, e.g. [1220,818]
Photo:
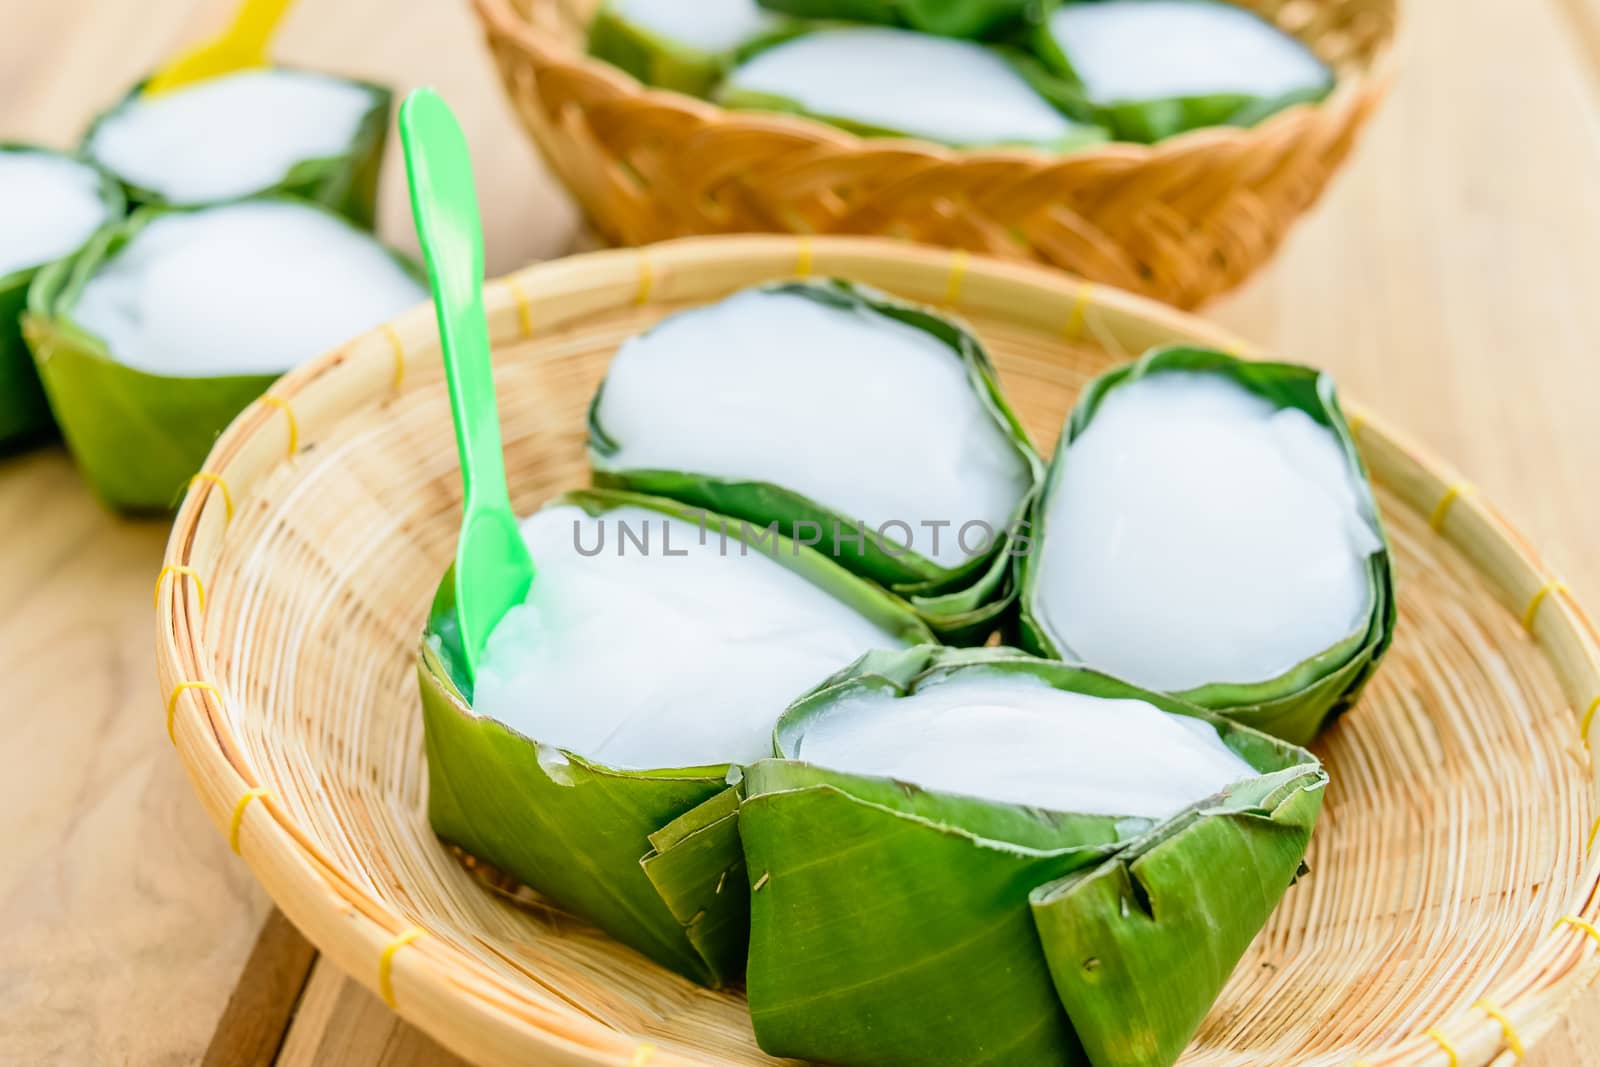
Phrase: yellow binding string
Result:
[524,307]
[177,691]
[216,480]
[1551,586]
[958,274]
[647,281]
[1355,421]
[238,815]
[1594,831]
[642,1055]
[1588,928]
[1513,1042]
[397,347]
[1080,308]
[288,412]
[1588,720]
[1444,1043]
[194,576]
[386,962]
[803,257]
[1451,495]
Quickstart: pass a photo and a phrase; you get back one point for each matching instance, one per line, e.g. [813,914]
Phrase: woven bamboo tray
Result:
[1447,918]
[1181,221]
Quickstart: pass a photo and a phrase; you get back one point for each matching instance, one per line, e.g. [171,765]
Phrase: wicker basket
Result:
[1181,221]
[1452,889]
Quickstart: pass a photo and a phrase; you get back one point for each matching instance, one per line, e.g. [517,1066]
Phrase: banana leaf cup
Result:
[138,437]
[893,925]
[961,603]
[1298,703]
[24,410]
[345,182]
[652,857]
[658,59]
[951,18]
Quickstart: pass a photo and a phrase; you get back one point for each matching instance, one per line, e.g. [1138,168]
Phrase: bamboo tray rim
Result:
[464,1005]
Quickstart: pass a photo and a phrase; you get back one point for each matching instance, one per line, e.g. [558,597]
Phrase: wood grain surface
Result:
[1449,281]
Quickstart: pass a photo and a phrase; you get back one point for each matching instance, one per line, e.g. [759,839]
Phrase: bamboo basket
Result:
[1448,919]
[1181,221]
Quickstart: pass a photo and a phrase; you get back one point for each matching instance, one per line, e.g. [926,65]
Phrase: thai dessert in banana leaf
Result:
[882,81]
[589,754]
[163,328]
[953,18]
[1148,69]
[50,204]
[870,428]
[1207,529]
[295,132]
[674,45]
[964,856]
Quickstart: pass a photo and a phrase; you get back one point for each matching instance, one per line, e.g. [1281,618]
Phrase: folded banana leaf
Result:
[650,856]
[1299,702]
[657,44]
[1150,69]
[961,600]
[951,18]
[878,81]
[138,437]
[893,925]
[345,182]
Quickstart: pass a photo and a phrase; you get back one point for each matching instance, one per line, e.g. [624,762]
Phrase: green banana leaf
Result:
[346,184]
[950,18]
[667,64]
[894,927]
[1147,121]
[961,604]
[24,411]
[1298,704]
[651,857]
[138,438]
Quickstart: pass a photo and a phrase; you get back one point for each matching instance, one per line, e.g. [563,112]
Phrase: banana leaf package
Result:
[952,18]
[50,204]
[1207,529]
[879,81]
[875,430]
[687,47]
[164,327]
[971,856]
[1149,69]
[589,756]
[258,132]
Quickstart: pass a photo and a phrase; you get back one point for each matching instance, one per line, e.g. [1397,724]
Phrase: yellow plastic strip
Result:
[1444,1043]
[1594,831]
[177,691]
[958,274]
[1080,309]
[216,480]
[398,347]
[1588,720]
[524,307]
[1451,495]
[1576,923]
[1551,586]
[642,1055]
[803,257]
[288,412]
[194,576]
[238,815]
[1513,1042]
[647,281]
[386,962]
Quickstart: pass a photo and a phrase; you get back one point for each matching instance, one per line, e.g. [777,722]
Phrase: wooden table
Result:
[1450,280]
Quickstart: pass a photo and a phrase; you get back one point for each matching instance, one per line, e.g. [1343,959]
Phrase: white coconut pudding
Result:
[750,389]
[645,661]
[242,289]
[1126,51]
[703,26]
[231,136]
[1015,739]
[899,81]
[1197,534]
[49,205]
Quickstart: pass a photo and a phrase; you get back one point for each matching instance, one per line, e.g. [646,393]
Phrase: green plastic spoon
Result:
[493,569]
